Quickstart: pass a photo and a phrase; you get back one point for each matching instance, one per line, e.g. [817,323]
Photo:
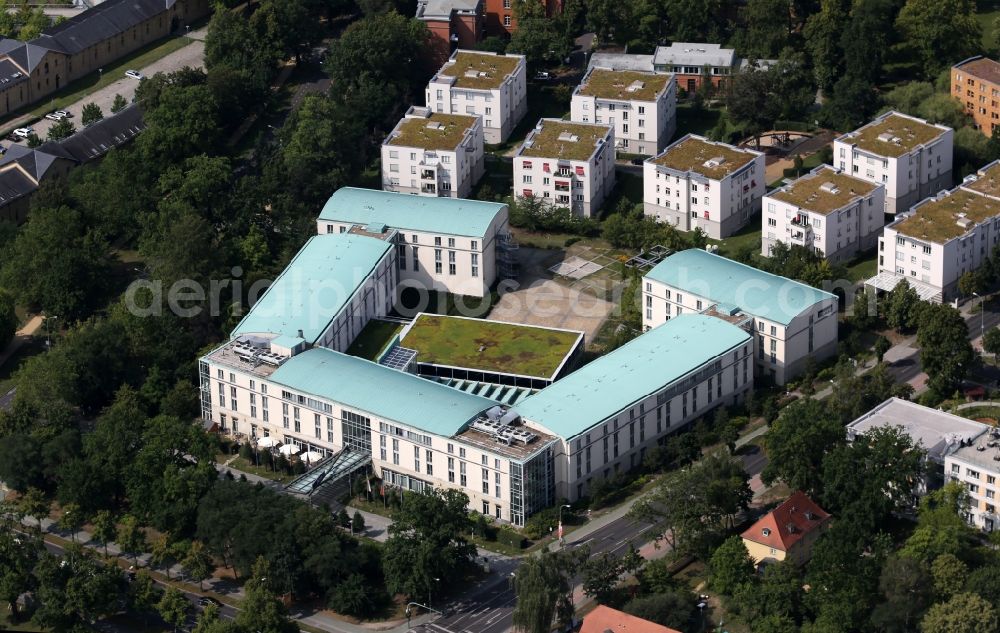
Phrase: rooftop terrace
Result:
[824,191]
[625,85]
[490,345]
[987,180]
[893,135]
[478,70]
[948,217]
[561,139]
[436,132]
[713,160]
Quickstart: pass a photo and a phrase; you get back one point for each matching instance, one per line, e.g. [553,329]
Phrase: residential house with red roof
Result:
[787,532]
[607,620]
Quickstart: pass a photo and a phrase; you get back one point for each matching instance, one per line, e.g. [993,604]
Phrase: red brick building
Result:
[453,24]
[500,18]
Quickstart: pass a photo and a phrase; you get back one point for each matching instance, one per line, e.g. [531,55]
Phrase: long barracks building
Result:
[284,374]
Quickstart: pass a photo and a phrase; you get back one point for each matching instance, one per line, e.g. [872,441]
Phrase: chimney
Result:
[299,334]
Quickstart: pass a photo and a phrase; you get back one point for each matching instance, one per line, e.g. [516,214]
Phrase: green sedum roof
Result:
[318,282]
[723,280]
[381,392]
[402,211]
[634,371]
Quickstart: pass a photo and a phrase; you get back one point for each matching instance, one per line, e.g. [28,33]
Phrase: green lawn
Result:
[748,237]
[112,73]
[809,163]
[373,339]
[695,121]
[980,412]
[864,268]
[241,465]
[489,345]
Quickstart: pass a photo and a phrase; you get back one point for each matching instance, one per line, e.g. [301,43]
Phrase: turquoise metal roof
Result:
[287,341]
[726,281]
[402,211]
[618,380]
[315,286]
[382,392]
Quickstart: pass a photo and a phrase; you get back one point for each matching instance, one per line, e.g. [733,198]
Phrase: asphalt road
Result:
[490,609]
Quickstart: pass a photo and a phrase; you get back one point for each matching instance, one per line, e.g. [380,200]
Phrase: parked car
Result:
[134,74]
[54,116]
[23,132]
[205,601]
[543,76]
[66,114]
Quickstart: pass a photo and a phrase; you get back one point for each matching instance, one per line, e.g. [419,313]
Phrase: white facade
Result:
[976,467]
[697,183]
[432,154]
[942,238]
[566,164]
[457,264]
[642,107]
[790,321]
[831,213]
[911,157]
[490,86]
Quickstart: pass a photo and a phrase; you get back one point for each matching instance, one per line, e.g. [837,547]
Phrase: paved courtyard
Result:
[541,299]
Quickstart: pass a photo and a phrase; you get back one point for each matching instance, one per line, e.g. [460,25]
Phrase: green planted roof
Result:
[723,280]
[381,392]
[315,286]
[618,380]
[405,212]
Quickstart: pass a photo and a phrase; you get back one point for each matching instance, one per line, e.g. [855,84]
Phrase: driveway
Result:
[192,55]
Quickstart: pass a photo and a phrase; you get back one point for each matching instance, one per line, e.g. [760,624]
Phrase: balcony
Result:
[800,220]
[802,237]
[428,174]
[428,189]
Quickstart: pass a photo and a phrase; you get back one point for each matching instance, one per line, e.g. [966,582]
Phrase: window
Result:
[506,22]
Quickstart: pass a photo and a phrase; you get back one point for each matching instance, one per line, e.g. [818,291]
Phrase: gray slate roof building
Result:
[97,24]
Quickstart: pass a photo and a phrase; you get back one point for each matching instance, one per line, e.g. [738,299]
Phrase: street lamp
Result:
[48,341]
[562,541]
[429,603]
[982,323]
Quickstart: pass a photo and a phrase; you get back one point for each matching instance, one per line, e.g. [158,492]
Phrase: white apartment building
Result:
[479,83]
[442,244]
[433,154]
[642,107]
[827,211]
[911,157]
[790,320]
[567,164]
[697,183]
[942,238]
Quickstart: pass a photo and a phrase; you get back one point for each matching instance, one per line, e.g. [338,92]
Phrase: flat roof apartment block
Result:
[941,238]
[698,183]
[490,86]
[911,157]
[642,107]
[828,211]
[433,154]
[790,320]
[975,82]
[567,164]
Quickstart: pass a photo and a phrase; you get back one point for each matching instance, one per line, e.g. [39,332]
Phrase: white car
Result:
[23,132]
[66,114]
[55,116]
[134,74]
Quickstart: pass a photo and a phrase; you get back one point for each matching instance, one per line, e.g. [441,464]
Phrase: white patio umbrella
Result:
[289,449]
[310,457]
[267,442]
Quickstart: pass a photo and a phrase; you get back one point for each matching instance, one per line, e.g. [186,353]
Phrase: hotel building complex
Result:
[790,321]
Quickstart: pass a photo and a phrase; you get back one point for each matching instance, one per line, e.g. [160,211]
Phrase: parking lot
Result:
[192,55]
